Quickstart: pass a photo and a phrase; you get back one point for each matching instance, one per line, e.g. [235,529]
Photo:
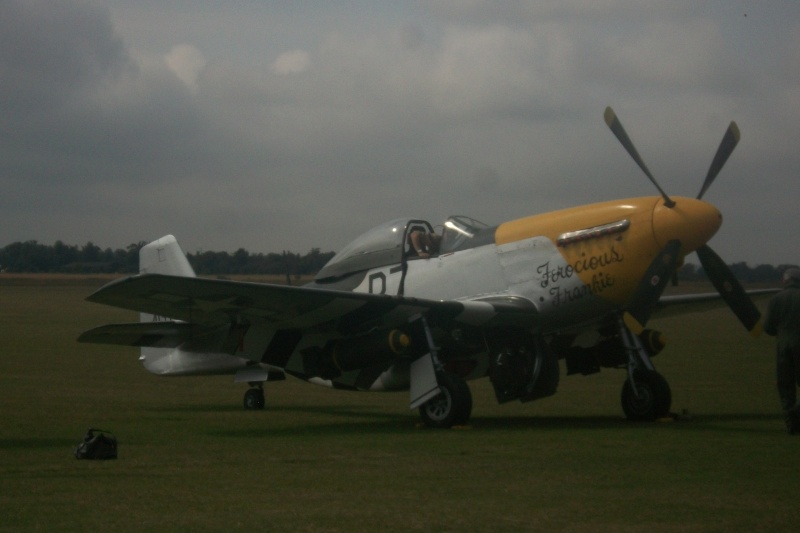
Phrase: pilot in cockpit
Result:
[424,244]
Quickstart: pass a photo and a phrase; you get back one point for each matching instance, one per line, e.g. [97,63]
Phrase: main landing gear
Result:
[452,407]
[646,395]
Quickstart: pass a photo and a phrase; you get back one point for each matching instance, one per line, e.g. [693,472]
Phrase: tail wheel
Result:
[452,407]
[254,399]
[654,398]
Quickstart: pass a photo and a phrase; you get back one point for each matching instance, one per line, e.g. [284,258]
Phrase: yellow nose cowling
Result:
[691,221]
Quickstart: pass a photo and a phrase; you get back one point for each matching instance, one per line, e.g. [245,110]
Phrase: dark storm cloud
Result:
[258,126]
[82,114]
[50,51]
[79,108]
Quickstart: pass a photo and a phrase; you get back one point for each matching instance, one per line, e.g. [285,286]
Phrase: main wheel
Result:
[254,399]
[654,399]
[452,407]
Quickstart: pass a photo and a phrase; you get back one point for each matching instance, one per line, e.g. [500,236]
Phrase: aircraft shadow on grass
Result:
[371,421]
[28,443]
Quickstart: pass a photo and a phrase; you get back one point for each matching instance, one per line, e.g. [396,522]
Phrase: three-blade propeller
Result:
[654,281]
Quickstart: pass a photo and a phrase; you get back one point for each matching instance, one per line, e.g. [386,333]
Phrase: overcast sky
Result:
[292,125]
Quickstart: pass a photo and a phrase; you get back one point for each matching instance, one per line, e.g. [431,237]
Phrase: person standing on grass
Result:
[783,321]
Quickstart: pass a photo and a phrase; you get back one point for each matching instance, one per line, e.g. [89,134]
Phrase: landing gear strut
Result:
[646,395]
[453,405]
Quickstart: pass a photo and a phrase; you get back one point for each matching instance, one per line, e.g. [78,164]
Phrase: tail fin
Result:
[164,256]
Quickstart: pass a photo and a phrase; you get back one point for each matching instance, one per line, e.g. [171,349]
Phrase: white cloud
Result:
[501,69]
[292,62]
[187,62]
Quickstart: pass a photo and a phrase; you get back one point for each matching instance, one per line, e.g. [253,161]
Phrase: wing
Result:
[212,303]
[687,303]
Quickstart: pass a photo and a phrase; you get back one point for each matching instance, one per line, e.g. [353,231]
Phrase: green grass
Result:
[323,460]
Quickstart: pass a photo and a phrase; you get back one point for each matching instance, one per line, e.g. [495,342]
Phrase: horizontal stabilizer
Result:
[150,334]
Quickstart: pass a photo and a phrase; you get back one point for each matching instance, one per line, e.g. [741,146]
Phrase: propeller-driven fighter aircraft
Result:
[404,307]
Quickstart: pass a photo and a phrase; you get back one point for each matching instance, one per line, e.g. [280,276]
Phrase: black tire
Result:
[254,399]
[654,400]
[452,407]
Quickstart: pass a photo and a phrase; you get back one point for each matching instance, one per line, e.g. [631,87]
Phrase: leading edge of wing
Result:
[213,302]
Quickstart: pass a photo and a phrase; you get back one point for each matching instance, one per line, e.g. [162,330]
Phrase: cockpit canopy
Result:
[387,244]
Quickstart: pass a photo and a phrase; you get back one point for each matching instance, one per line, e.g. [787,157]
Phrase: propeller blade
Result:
[619,132]
[730,289]
[651,287]
[726,146]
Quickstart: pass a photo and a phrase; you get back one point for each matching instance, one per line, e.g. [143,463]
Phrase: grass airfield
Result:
[324,460]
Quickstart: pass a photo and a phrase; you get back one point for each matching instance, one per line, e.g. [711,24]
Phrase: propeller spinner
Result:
[649,291]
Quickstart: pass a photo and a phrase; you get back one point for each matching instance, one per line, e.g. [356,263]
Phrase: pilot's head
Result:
[791,276]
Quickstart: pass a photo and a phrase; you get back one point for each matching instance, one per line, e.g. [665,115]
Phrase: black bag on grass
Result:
[97,446]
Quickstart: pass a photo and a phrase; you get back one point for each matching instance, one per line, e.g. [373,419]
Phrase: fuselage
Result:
[572,265]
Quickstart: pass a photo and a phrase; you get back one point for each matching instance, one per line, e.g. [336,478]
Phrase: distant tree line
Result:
[33,257]
[243,262]
[742,271]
